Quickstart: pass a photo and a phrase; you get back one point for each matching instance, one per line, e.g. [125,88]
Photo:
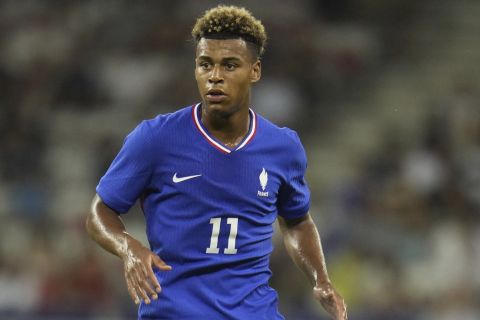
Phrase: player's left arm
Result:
[303,244]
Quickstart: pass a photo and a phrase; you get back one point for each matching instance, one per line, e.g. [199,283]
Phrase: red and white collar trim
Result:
[216,144]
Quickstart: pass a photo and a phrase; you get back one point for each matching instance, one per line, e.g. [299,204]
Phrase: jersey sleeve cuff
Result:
[295,213]
[110,202]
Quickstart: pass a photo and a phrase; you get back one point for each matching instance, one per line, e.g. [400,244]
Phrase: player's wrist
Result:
[128,243]
[323,284]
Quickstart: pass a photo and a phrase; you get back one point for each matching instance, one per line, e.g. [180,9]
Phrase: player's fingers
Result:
[341,310]
[143,294]
[149,281]
[146,284]
[160,264]
[131,289]
[154,281]
[139,285]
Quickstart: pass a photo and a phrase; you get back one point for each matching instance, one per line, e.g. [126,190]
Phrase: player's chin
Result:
[219,107]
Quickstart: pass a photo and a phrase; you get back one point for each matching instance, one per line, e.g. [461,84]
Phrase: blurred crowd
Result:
[401,230]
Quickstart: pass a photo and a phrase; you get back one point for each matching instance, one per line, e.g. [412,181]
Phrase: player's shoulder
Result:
[288,137]
[177,119]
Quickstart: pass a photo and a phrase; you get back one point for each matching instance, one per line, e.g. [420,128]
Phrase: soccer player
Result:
[212,179]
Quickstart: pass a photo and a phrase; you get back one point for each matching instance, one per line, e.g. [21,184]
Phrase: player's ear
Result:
[256,72]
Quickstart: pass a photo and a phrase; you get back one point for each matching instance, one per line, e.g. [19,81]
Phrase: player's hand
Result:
[331,300]
[138,263]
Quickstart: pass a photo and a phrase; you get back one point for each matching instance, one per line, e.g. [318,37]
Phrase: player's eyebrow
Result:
[226,59]
[203,57]
[232,59]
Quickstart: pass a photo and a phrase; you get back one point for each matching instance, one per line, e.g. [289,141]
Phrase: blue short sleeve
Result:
[294,194]
[130,172]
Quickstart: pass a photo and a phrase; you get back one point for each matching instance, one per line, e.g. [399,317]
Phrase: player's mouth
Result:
[215,95]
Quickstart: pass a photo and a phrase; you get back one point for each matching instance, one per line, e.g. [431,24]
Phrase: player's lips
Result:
[215,95]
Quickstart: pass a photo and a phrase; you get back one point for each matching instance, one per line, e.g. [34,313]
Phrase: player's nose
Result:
[215,75]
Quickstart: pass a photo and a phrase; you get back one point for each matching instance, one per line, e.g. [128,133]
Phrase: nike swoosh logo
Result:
[181,179]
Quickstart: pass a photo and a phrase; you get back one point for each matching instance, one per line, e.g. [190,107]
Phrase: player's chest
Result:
[227,176]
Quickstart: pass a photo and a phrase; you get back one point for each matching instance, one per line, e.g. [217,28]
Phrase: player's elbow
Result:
[89,224]
[90,219]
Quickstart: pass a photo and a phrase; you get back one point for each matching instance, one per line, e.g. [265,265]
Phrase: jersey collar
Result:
[214,142]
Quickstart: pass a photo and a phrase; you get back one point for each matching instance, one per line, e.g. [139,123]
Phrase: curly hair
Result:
[231,22]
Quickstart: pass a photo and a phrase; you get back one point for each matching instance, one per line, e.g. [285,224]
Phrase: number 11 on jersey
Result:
[230,249]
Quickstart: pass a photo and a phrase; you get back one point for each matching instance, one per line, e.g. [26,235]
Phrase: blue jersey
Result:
[209,211]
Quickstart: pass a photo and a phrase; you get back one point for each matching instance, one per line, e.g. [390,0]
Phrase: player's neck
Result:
[231,129]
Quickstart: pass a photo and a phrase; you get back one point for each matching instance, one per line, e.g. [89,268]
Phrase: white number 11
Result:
[230,249]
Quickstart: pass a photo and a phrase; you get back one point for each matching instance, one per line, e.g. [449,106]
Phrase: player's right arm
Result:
[105,226]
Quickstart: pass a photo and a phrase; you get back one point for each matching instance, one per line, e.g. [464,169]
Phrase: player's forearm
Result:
[304,247]
[107,229]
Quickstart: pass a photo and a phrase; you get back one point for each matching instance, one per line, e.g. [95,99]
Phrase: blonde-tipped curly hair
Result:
[230,22]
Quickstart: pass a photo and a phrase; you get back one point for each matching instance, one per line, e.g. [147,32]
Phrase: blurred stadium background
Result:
[385,96]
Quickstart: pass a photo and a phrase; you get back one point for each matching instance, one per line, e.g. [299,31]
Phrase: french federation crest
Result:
[263,183]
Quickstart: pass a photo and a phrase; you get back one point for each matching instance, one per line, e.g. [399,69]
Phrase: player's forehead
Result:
[222,48]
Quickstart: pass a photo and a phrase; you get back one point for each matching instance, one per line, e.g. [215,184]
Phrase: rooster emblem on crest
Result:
[263,179]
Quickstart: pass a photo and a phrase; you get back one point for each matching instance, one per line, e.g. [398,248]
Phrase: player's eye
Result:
[204,65]
[230,66]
